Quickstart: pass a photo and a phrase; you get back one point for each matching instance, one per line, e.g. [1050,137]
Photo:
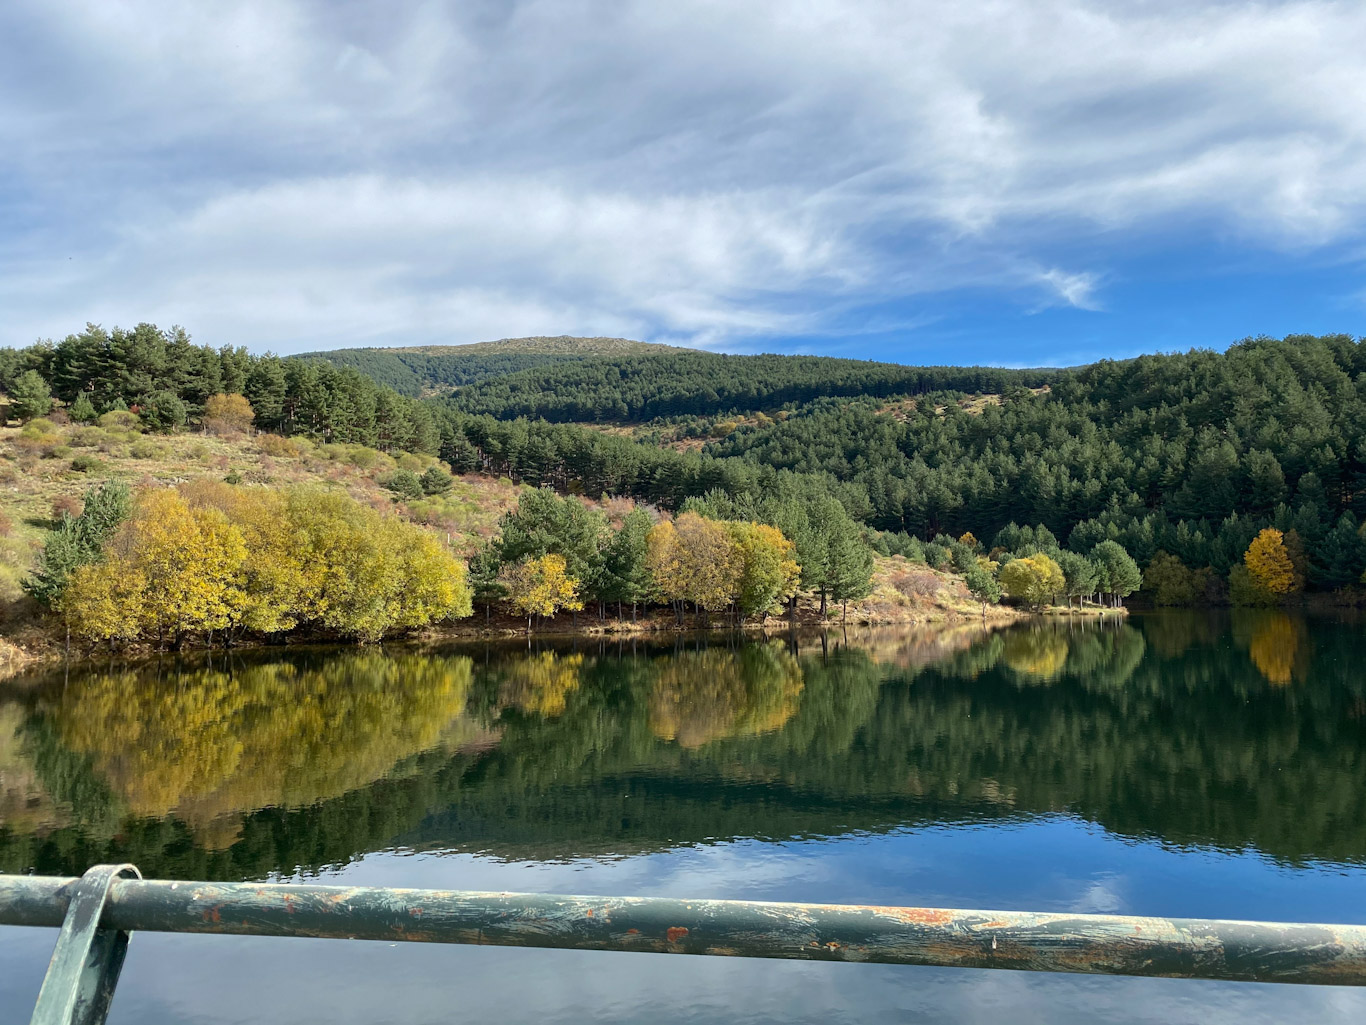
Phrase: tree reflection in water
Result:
[1177,726]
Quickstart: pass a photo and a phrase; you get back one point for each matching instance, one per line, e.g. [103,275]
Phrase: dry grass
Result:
[40,476]
[912,592]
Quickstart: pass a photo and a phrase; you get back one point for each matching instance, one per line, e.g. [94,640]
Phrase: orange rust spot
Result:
[675,933]
[632,932]
[212,914]
[415,912]
[589,912]
[832,945]
[919,916]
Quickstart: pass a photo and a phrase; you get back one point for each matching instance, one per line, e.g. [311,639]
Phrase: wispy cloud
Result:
[295,174]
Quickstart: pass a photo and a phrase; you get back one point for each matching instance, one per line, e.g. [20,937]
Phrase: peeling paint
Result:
[1092,944]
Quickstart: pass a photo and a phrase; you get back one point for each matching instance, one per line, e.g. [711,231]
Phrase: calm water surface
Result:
[1181,764]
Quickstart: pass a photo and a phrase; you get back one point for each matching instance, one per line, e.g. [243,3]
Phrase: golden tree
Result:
[1033,580]
[228,414]
[1268,562]
[103,601]
[541,587]
[189,560]
[695,559]
[768,571]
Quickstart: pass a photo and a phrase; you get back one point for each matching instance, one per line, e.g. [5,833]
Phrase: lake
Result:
[1184,764]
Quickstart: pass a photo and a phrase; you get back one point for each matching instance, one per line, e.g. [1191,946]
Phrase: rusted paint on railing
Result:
[1096,944]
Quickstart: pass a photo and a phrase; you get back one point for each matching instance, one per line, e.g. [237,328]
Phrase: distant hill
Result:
[425,369]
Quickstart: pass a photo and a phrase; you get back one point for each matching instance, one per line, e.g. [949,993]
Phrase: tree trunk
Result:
[822,603]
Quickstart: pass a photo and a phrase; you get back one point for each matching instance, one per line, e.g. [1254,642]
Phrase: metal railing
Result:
[97,912]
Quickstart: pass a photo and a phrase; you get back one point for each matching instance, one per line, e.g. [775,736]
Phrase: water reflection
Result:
[1237,731]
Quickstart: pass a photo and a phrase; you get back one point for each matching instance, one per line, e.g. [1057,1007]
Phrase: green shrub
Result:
[119,420]
[86,463]
[404,484]
[39,428]
[144,449]
[435,481]
[163,411]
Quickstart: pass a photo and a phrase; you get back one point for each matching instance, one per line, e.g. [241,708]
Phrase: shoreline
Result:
[34,648]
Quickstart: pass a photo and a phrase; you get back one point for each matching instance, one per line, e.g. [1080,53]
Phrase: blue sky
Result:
[987,181]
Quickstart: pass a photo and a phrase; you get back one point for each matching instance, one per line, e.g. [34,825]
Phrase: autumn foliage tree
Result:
[213,558]
[693,561]
[1268,562]
[1034,579]
[541,586]
[768,571]
[227,414]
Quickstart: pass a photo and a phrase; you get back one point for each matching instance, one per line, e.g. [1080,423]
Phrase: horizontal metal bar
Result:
[1096,944]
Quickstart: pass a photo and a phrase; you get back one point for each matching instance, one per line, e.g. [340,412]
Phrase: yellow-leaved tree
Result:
[1268,562]
[169,571]
[541,587]
[695,559]
[1033,580]
[768,571]
[227,414]
[218,557]
[103,601]
[278,582]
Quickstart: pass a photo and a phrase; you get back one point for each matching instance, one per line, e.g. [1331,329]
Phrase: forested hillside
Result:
[1192,454]
[709,383]
[435,368]
[1181,460]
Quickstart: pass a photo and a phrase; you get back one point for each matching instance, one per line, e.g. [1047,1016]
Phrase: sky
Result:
[1017,182]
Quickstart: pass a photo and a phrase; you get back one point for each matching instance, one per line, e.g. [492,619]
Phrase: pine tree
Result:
[30,396]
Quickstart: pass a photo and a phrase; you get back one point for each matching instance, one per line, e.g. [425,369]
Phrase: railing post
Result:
[87,960]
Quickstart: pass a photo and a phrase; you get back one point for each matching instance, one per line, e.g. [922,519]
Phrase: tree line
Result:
[211,560]
[168,380]
[638,388]
[553,553]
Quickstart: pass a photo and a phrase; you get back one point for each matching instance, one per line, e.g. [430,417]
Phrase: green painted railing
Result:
[97,913]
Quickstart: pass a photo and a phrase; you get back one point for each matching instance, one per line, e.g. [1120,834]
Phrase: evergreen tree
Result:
[545,524]
[79,540]
[82,410]
[1119,574]
[436,481]
[626,576]
[30,396]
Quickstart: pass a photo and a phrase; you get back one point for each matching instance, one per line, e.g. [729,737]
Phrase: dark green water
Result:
[1181,764]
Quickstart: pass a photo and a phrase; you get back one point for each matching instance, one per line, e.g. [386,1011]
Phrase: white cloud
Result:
[302,174]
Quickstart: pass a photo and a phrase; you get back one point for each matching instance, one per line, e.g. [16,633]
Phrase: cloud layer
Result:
[300,175]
